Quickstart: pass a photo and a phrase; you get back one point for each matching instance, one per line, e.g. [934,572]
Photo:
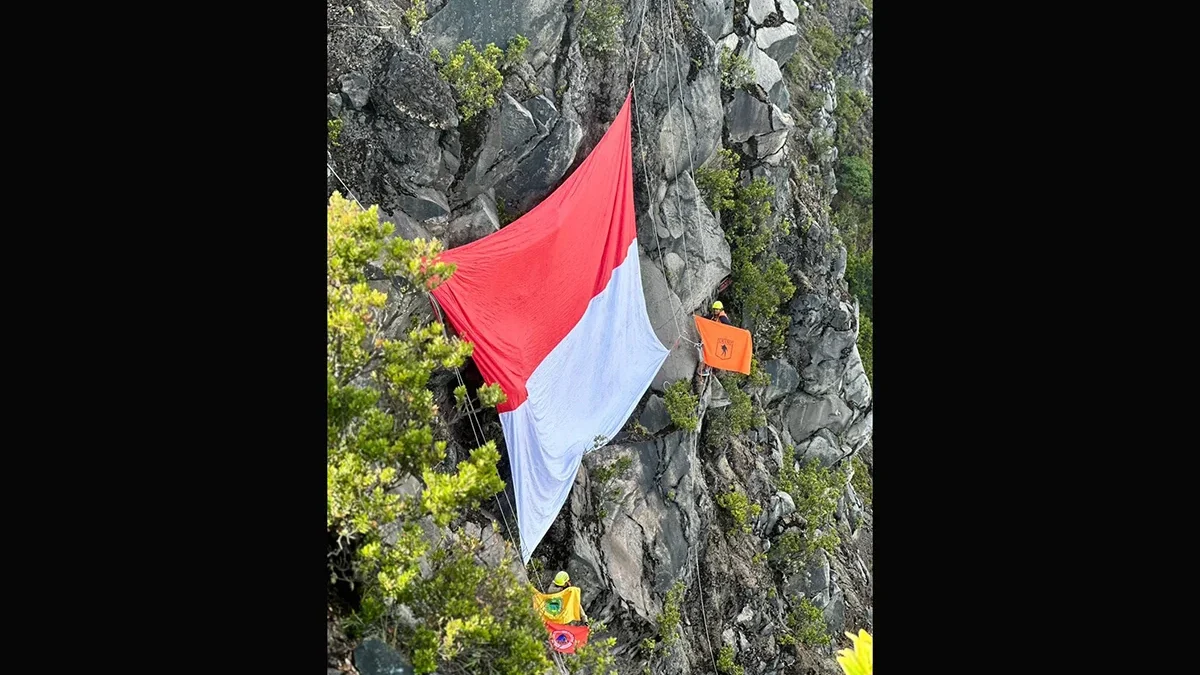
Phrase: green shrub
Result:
[761,280]
[717,181]
[616,469]
[824,44]
[736,70]
[475,77]
[725,662]
[600,30]
[855,179]
[862,480]
[595,657]
[335,132]
[740,508]
[815,491]
[860,279]
[805,624]
[863,22]
[681,405]
[379,435]
[668,620]
[414,16]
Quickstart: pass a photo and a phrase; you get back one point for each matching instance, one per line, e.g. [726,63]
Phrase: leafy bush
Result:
[414,16]
[815,491]
[599,33]
[740,416]
[668,620]
[335,132]
[380,434]
[855,179]
[862,22]
[475,77]
[736,70]
[824,44]
[681,405]
[717,181]
[725,662]
[860,278]
[805,624]
[595,657]
[761,280]
[617,469]
[740,508]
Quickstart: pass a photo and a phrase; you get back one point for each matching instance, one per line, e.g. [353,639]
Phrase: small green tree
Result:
[762,282]
[380,417]
[815,491]
[415,15]
[716,182]
[740,508]
[856,179]
[736,70]
[725,662]
[668,620]
[599,33]
[805,624]
[475,77]
[681,405]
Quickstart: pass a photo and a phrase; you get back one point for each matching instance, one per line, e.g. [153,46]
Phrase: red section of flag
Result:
[516,293]
[564,638]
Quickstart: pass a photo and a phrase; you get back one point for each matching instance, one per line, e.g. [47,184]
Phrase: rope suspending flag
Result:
[725,347]
[554,305]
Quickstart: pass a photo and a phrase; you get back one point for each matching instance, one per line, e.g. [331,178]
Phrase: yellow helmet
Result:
[562,579]
[718,305]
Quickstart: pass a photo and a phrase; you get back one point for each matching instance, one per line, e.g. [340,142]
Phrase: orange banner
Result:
[725,347]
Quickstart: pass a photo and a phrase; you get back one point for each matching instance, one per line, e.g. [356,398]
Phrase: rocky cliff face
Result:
[628,536]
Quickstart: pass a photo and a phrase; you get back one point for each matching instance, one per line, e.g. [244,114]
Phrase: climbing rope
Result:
[348,190]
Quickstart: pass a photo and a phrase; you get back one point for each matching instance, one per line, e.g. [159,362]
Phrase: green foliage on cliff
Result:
[725,663]
[762,283]
[740,508]
[335,132]
[600,30]
[815,491]
[823,43]
[475,77]
[681,405]
[717,181]
[668,620]
[736,70]
[415,15]
[380,432]
[804,624]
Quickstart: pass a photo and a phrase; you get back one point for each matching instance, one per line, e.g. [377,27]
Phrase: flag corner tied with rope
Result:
[553,303]
[725,347]
[564,639]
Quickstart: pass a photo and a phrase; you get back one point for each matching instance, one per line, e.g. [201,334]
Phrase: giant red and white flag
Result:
[554,305]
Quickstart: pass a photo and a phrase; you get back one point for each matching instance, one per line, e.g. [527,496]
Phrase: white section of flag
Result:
[585,388]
